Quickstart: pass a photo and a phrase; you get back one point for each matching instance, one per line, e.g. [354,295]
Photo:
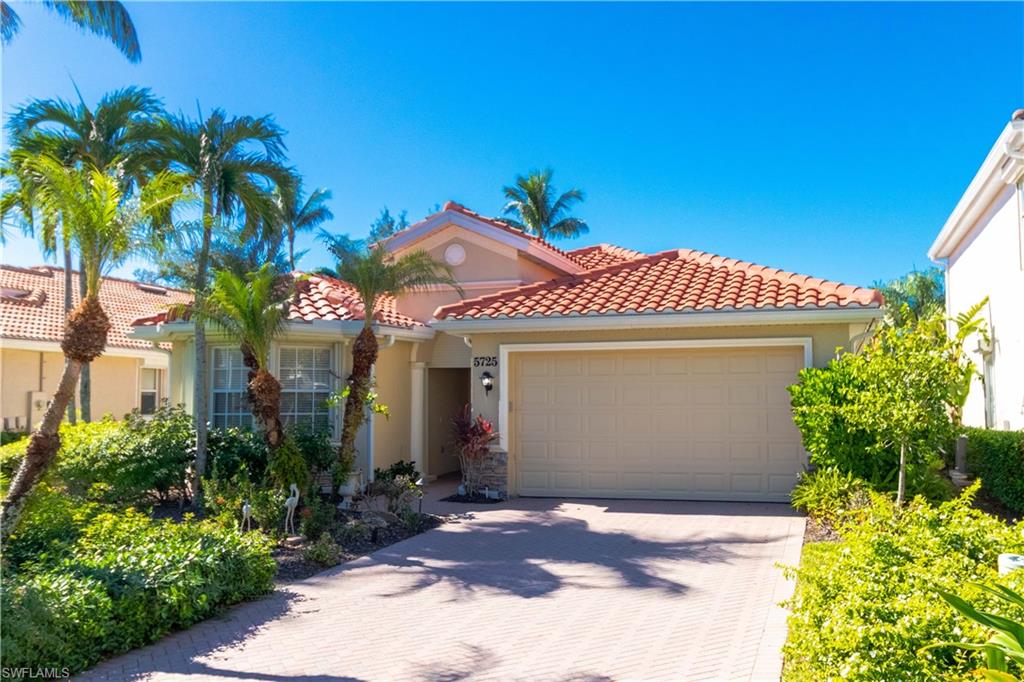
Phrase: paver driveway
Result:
[530,590]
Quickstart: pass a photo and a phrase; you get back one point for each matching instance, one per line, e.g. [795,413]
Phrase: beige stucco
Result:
[25,374]
[391,434]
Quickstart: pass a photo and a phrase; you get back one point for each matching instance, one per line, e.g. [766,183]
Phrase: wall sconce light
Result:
[487,381]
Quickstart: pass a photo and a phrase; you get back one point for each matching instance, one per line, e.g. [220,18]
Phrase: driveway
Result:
[528,590]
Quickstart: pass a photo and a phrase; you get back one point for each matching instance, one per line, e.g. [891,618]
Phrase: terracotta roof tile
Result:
[317,297]
[672,281]
[590,257]
[32,304]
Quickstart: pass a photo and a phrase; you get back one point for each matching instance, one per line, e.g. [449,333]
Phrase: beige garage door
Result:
[701,424]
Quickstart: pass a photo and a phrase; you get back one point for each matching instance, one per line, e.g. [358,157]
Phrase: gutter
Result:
[715,318]
[166,331]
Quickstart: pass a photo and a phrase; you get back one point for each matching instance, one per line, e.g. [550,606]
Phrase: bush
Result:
[325,551]
[286,466]
[223,500]
[998,458]
[318,517]
[865,606]
[12,436]
[315,446]
[50,525]
[125,581]
[827,494]
[232,449]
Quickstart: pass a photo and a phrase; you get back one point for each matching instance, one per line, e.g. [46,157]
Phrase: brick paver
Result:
[528,590]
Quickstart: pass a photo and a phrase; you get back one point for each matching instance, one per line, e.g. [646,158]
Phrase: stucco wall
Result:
[391,435]
[825,339]
[989,263]
[115,382]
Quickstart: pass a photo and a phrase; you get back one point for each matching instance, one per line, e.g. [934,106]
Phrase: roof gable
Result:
[495,230]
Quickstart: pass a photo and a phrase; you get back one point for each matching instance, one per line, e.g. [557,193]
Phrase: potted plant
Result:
[472,437]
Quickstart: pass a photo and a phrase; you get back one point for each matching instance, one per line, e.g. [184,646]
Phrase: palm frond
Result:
[10,23]
[106,18]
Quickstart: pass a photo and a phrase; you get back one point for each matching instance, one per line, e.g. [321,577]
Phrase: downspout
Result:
[389,341]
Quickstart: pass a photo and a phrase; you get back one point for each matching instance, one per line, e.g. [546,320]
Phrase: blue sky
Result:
[829,139]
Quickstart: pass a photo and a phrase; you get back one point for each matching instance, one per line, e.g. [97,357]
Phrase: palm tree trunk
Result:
[41,451]
[901,485]
[85,383]
[291,249]
[85,337]
[364,355]
[264,392]
[68,305]
[200,389]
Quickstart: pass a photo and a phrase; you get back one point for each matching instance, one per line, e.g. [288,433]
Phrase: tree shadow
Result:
[539,553]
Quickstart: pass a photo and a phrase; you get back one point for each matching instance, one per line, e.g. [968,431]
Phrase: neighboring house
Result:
[982,248]
[608,372]
[131,373]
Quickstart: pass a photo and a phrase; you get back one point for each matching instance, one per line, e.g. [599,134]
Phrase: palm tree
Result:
[252,309]
[532,204]
[374,273]
[91,209]
[234,164]
[104,138]
[299,213]
[916,296]
[106,18]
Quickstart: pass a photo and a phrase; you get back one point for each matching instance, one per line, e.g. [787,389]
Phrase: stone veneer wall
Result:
[494,471]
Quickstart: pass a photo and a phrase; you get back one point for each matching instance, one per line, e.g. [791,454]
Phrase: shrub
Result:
[998,457]
[285,465]
[50,525]
[865,606]
[318,517]
[10,459]
[315,446]
[12,436]
[232,449]
[126,581]
[325,551]
[472,437]
[399,491]
[223,500]
[827,494]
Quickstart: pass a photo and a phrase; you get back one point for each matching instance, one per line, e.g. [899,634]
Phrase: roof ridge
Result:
[47,270]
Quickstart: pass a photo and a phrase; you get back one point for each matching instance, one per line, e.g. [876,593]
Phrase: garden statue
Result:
[290,504]
[246,515]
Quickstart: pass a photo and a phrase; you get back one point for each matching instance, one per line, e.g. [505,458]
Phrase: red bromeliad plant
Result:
[472,437]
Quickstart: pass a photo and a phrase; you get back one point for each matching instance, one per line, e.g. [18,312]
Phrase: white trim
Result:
[1003,166]
[693,318]
[476,284]
[425,227]
[805,342]
[157,357]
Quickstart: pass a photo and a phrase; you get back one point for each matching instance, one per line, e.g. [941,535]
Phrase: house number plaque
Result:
[485,361]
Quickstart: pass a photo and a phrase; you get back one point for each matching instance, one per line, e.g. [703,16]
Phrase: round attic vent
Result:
[455,254]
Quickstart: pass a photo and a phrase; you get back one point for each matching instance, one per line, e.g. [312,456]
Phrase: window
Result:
[149,396]
[306,383]
[230,378]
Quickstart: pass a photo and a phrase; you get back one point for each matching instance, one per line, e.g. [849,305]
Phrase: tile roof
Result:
[671,281]
[590,257]
[317,297]
[32,304]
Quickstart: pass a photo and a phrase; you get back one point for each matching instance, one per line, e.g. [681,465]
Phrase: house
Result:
[981,247]
[131,374]
[608,372]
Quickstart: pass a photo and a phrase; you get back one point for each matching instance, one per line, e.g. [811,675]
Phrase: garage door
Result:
[702,424]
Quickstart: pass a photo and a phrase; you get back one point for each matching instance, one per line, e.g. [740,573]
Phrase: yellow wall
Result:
[115,383]
[825,339]
[391,435]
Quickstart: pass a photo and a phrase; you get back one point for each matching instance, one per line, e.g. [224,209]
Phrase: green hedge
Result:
[121,580]
[997,457]
[866,605]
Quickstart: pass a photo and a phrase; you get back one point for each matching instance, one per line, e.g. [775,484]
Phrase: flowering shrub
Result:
[865,606]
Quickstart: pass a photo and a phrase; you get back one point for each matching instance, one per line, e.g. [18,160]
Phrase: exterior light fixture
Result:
[487,381]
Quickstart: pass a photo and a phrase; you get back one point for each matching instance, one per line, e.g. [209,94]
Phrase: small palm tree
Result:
[252,309]
[106,137]
[299,213]
[916,296]
[375,274]
[106,18]
[234,164]
[534,207]
[89,206]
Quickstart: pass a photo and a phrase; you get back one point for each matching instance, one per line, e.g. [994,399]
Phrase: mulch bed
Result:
[816,531]
[471,499]
[292,564]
